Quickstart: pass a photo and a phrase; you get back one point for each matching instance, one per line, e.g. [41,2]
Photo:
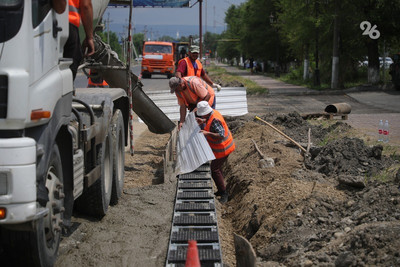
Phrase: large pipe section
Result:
[114,72]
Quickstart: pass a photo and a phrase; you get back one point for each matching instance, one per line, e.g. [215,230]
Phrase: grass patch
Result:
[227,79]
[387,175]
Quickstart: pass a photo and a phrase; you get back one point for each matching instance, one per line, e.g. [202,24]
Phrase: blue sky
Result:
[213,14]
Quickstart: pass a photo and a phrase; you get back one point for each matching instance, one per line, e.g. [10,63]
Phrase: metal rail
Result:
[195,218]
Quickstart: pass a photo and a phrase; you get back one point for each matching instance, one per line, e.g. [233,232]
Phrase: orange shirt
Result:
[196,90]
[74,16]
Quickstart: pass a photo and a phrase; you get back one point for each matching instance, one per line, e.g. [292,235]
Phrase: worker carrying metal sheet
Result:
[220,139]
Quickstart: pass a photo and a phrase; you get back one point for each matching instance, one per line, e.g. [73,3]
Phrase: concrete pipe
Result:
[338,108]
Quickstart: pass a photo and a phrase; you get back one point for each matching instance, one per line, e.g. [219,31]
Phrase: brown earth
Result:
[324,210]
[327,209]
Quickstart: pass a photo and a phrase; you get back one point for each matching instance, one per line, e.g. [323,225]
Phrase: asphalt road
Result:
[368,106]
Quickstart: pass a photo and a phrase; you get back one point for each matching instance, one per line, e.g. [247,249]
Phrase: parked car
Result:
[388,62]
[363,63]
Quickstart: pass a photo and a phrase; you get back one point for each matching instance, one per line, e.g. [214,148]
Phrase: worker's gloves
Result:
[217,86]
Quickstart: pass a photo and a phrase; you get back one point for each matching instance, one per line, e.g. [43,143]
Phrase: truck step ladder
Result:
[195,218]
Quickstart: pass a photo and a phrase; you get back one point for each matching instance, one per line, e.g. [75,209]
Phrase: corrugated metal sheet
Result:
[193,149]
[231,101]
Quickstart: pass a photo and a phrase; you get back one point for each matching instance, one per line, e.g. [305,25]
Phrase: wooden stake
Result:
[280,132]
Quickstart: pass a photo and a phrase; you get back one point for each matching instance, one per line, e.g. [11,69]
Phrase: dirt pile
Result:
[347,156]
[326,210]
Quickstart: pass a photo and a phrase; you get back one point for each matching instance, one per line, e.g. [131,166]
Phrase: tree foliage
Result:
[210,42]
[113,41]
[137,40]
[291,30]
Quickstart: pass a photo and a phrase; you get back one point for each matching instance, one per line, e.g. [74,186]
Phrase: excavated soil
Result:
[326,209]
[330,208]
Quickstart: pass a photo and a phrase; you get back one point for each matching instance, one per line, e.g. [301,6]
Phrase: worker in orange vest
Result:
[96,80]
[189,91]
[79,10]
[191,66]
[220,139]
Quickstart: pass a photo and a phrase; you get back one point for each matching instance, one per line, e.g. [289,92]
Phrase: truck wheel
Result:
[39,247]
[118,140]
[47,233]
[95,200]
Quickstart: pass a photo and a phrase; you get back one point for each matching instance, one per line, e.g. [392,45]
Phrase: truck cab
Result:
[158,58]
[60,146]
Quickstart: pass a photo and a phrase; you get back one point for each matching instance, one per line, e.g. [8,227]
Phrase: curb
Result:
[387,88]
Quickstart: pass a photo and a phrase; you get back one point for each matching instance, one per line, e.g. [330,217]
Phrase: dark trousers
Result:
[73,49]
[216,173]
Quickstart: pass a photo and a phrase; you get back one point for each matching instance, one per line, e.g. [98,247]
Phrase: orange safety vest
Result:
[74,16]
[98,81]
[190,68]
[220,147]
[94,84]
[191,97]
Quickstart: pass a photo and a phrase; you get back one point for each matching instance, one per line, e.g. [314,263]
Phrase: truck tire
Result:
[118,140]
[40,246]
[96,199]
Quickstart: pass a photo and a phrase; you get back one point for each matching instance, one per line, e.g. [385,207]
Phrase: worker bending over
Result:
[190,91]
[220,139]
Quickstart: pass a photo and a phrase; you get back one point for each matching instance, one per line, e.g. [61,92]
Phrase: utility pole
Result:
[335,56]
[108,27]
[201,28]
[317,81]
[206,18]
[145,32]
[215,23]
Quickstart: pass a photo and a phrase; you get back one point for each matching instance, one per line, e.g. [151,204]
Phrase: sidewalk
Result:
[274,86]
[369,104]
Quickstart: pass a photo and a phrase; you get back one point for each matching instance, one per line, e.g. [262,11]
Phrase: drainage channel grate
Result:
[195,176]
[195,184]
[195,218]
[185,194]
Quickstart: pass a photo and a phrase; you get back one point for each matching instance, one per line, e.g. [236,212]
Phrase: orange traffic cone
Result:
[192,255]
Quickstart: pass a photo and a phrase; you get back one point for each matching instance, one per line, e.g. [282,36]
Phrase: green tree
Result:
[166,38]
[211,42]
[137,40]
[227,47]
[385,15]
[114,44]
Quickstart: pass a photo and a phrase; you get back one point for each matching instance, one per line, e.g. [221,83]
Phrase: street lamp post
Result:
[272,21]
[317,81]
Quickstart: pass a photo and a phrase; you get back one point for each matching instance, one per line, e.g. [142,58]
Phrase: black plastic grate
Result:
[201,236]
[205,254]
[194,219]
[194,195]
[193,206]
[203,168]
[194,185]
[195,176]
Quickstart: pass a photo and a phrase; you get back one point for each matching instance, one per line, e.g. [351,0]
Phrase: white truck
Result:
[60,147]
